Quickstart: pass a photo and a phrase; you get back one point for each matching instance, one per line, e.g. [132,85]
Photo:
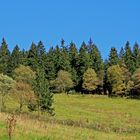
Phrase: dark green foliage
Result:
[65,62]
[41,55]
[4,57]
[24,57]
[73,57]
[95,56]
[84,61]
[15,60]
[96,61]
[75,62]
[121,56]
[50,65]
[45,97]
[61,57]
[128,58]
[113,57]
[33,57]
[136,56]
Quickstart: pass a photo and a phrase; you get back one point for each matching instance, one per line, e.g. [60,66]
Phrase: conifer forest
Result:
[69,86]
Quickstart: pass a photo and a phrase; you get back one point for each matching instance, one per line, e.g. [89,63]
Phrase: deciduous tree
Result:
[116,79]
[63,82]
[90,80]
[6,84]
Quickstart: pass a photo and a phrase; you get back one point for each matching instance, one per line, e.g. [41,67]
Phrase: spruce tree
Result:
[113,57]
[73,56]
[96,60]
[50,65]
[128,58]
[121,56]
[33,57]
[83,63]
[41,54]
[15,60]
[65,62]
[136,56]
[45,97]
[95,56]
[61,58]
[24,57]
[4,57]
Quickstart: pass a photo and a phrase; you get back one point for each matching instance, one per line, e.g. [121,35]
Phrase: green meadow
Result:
[78,117]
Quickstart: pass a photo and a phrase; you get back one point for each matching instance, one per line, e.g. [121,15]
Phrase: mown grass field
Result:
[79,117]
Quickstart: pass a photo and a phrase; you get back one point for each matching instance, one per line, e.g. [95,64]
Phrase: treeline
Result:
[69,69]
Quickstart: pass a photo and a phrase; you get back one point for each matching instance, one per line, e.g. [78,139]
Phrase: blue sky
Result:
[108,22]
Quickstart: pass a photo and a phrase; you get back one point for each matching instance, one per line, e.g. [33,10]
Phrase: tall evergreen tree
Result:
[136,56]
[41,54]
[128,58]
[4,57]
[121,56]
[45,97]
[33,57]
[83,63]
[15,60]
[65,62]
[61,58]
[73,56]
[24,57]
[96,60]
[50,65]
[113,57]
[95,56]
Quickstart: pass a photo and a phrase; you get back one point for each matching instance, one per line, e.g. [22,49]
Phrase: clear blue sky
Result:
[108,22]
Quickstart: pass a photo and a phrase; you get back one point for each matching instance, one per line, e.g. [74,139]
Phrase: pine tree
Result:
[128,58]
[41,54]
[4,57]
[65,61]
[136,56]
[113,57]
[33,57]
[50,65]
[45,97]
[15,60]
[96,60]
[61,59]
[73,56]
[95,56]
[83,63]
[121,56]
[24,57]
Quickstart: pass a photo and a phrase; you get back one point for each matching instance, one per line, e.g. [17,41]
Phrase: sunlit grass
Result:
[79,117]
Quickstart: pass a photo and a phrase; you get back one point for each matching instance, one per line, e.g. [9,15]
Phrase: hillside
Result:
[79,117]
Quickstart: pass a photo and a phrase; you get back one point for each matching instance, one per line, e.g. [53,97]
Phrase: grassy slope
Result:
[81,118]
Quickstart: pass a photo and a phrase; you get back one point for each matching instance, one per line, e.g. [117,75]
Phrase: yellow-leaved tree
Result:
[90,80]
